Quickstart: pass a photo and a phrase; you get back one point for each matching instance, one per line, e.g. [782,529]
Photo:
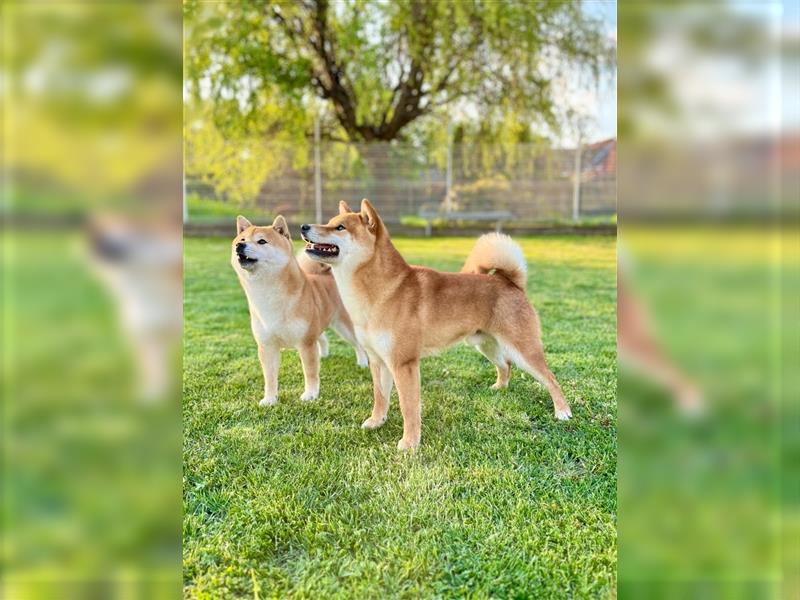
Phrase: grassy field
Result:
[90,478]
[700,500]
[501,500]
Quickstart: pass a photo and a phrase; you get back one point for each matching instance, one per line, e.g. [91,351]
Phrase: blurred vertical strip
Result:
[91,268]
[708,299]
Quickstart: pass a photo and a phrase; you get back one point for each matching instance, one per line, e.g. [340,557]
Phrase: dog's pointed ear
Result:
[242,224]
[343,208]
[279,225]
[369,215]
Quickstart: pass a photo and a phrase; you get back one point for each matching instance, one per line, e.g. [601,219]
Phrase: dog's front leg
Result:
[309,356]
[381,390]
[270,358]
[406,377]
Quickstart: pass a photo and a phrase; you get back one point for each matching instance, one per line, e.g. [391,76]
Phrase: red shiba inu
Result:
[291,302]
[403,312]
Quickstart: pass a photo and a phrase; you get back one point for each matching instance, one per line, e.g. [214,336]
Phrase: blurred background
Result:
[91,263]
[93,202]
[708,267]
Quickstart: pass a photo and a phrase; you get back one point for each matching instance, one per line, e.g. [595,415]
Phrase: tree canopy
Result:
[92,93]
[376,70]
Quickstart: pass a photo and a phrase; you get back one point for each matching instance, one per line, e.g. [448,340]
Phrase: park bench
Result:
[495,216]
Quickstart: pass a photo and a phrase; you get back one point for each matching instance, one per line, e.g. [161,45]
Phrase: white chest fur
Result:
[273,313]
[355,305]
[367,324]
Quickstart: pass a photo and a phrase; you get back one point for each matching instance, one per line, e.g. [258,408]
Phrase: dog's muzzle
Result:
[244,260]
[316,248]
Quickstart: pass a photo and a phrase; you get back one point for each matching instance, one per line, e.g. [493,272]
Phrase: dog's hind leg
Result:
[322,342]
[489,347]
[382,390]
[344,327]
[527,352]
[309,356]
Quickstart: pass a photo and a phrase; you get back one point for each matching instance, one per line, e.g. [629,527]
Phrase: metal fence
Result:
[532,182]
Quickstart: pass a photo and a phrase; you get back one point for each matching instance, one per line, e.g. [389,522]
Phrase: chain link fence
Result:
[527,182]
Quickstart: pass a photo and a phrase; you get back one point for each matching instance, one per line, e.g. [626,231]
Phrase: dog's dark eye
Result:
[340,228]
[262,241]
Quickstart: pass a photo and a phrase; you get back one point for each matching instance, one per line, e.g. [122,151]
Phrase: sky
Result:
[717,93]
[723,68]
[597,101]
[606,94]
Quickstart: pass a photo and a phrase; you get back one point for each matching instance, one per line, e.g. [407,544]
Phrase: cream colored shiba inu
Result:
[140,262]
[403,312]
[291,301]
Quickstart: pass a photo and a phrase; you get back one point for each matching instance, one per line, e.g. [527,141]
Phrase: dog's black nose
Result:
[305,227]
[240,248]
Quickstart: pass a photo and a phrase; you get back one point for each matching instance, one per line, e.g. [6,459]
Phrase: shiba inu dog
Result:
[291,302]
[403,312]
[639,348]
[139,260]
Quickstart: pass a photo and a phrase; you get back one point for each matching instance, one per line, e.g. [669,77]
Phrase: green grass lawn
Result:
[90,478]
[500,500]
[700,500]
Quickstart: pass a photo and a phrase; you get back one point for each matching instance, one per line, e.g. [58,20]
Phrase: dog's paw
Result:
[373,423]
[362,360]
[405,444]
[563,414]
[267,401]
[309,396]
[499,386]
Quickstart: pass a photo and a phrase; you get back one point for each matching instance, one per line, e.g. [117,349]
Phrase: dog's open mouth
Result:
[246,260]
[322,249]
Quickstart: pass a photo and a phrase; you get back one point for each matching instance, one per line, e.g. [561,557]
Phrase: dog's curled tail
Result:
[311,266]
[499,253]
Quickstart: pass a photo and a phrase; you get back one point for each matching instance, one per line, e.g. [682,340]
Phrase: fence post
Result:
[317,173]
[576,183]
[449,173]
